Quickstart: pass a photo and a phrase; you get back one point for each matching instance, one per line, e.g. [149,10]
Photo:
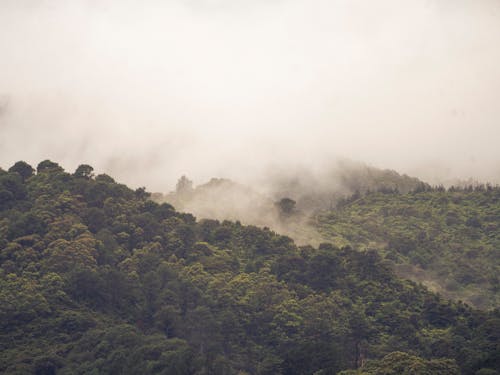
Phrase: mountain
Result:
[323,186]
[97,278]
[311,189]
[447,239]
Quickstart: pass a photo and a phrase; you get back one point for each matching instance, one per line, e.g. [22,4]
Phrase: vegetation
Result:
[449,239]
[97,279]
[283,192]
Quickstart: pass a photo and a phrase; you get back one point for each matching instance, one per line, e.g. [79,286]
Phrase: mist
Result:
[148,91]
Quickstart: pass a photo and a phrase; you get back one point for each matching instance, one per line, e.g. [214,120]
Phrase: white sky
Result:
[149,90]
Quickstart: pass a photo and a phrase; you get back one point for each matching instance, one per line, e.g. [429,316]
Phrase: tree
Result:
[184,186]
[141,193]
[105,178]
[24,169]
[5,197]
[286,206]
[84,171]
[47,165]
[406,364]
[13,183]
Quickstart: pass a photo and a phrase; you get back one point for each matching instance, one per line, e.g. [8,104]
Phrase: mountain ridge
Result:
[97,278]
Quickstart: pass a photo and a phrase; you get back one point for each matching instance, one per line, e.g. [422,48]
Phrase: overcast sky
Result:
[149,90]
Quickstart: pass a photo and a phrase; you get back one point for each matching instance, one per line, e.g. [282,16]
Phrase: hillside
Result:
[309,191]
[96,279]
[253,203]
[322,187]
[447,239]
[221,199]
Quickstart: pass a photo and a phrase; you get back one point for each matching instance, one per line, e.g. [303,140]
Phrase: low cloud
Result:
[149,91]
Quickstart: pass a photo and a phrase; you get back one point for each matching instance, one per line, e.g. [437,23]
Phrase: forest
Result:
[446,238]
[97,278]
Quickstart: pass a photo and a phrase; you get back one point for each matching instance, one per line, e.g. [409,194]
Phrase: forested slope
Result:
[449,239]
[254,203]
[96,279]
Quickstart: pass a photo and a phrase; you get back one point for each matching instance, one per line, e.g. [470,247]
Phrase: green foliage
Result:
[23,169]
[84,171]
[399,363]
[47,166]
[447,239]
[97,279]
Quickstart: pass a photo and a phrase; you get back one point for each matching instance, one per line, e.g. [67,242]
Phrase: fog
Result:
[148,91]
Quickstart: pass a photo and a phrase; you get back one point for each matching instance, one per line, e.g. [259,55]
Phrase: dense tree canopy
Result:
[95,279]
[449,239]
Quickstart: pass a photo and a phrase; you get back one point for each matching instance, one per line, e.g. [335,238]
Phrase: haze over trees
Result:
[445,238]
[148,91]
[97,278]
[278,252]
